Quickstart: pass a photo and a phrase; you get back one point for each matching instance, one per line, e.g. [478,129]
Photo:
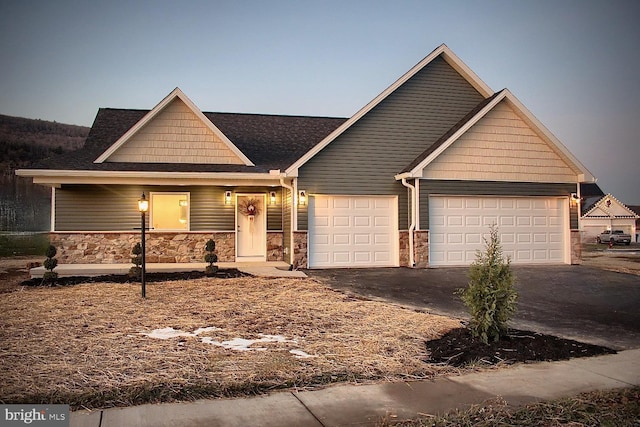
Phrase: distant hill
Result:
[23,142]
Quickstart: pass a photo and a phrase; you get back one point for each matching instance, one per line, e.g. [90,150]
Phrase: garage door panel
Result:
[341,239]
[362,231]
[341,221]
[532,230]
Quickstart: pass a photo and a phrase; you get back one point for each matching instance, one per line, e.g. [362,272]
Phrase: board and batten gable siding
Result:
[486,188]
[365,158]
[175,135]
[114,207]
[501,146]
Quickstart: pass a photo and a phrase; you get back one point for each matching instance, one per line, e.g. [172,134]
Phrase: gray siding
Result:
[491,188]
[365,158]
[114,207]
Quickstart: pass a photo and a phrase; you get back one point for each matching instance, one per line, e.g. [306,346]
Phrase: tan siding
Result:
[175,135]
[365,158]
[500,147]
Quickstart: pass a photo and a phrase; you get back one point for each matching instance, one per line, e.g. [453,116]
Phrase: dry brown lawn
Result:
[84,345]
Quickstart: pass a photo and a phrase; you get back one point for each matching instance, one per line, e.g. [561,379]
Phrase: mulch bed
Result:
[149,277]
[459,348]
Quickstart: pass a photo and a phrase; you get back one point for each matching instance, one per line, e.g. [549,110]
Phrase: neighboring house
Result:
[607,213]
[415,178]
[636,210]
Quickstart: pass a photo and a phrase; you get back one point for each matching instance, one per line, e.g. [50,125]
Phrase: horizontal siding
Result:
[114,207]
[486,188]
[175,135]
[501,146]
[367,156]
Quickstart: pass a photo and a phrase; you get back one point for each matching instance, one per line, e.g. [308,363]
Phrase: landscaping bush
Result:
[50,263]
[136,270]
[490,296]
[210,257]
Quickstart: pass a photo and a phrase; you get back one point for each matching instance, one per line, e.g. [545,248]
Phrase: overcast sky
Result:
[574,64]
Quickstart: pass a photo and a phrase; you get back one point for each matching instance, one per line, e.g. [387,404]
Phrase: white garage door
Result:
[352,231]
[532,230]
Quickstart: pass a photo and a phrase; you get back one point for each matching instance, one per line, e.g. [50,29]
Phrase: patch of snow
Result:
[236,344]
[167,333]
[242,344]
[299,354]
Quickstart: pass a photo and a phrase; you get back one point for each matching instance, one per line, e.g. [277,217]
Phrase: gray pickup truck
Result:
[614,236]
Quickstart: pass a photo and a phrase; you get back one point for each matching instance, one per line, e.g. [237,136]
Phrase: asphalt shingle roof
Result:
[269,141]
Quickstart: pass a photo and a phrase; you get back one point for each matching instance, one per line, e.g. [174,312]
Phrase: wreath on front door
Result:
[249,207]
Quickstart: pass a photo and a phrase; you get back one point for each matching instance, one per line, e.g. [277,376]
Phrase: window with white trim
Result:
[170,211]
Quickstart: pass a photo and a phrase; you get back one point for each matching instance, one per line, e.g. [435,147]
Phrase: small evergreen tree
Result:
[136,270]
[210,257]
[490,296]
[50,263]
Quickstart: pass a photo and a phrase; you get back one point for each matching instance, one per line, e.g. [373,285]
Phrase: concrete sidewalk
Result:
[367,405]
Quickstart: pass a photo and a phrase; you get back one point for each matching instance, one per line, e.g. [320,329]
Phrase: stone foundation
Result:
[403,248]
[300,259]
[576,247]
[275,246]
[115,248]
[420,249]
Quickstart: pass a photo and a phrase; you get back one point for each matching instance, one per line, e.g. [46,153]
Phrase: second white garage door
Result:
[532,230]
[353,231]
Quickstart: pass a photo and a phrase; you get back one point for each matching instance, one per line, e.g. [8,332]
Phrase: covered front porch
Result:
[261,269]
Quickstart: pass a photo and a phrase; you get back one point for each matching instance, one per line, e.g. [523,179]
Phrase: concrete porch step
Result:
[262,269]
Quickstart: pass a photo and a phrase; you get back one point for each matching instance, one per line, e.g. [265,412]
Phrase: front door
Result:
[251,223]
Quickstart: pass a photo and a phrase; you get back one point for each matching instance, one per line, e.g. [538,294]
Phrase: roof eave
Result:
[58,177]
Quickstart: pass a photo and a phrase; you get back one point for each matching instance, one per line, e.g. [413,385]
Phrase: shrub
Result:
[210,257]
[50,263]
[490,296]
[136,270]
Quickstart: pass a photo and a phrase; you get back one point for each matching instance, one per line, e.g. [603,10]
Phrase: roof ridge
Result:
[142,110]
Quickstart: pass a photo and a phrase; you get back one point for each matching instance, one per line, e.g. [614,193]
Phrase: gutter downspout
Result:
[412,226]
[294,218]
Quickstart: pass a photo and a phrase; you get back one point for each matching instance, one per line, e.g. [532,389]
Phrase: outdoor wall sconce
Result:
[302,197]
[574,199]
[227,197]
[272,197]
[143,207]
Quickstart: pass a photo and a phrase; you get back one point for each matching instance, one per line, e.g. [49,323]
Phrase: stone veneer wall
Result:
[275,245]
[300,259]
[115,248]
[420,248]
[576,247]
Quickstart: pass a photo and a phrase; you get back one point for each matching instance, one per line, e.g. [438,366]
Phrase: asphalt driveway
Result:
[578,302]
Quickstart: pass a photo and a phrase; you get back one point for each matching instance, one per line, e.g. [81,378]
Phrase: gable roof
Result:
[162,105]
[441,51]
[610,207]
[271,141]
[414,169]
